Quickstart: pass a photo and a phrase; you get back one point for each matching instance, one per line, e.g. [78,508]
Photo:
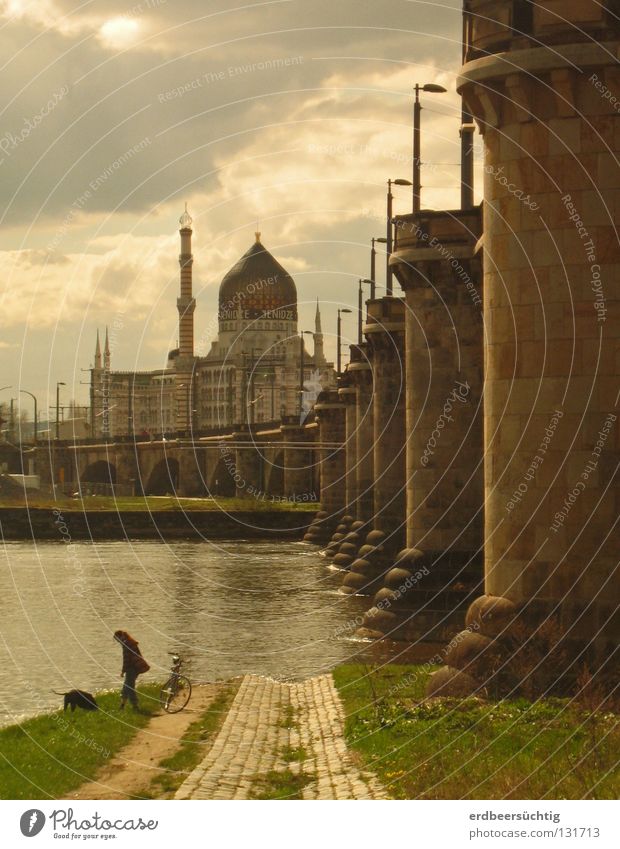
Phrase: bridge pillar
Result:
[385,332]
[347,394]
[360,373]
[248,465]
[297,461]
[440,572]
[191,471]
[330,412]
[552,324]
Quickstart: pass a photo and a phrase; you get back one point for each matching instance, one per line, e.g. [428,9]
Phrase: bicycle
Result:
[176,692]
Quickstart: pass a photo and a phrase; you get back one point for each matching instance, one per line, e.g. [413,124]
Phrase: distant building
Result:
[251,373]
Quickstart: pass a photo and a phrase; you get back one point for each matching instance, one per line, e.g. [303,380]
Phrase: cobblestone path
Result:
[281,735]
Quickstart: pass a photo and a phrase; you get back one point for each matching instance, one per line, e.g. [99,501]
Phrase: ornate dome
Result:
[260,286]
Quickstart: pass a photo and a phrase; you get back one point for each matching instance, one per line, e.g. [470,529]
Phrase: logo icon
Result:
[32,822]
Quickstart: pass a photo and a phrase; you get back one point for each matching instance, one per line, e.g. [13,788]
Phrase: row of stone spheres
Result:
[469,456]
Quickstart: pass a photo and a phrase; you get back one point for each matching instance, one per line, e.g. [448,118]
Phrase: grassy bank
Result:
[193,748]
[468,749]
[51,755]
[157,504]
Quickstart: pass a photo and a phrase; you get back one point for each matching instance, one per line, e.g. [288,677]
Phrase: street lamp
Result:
[373,260]
[390,198]
[430,88]
[339,339]
[302,364]
[360,304]
[25,391]
[59,383]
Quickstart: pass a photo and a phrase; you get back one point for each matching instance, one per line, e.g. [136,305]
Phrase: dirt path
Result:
[130,772]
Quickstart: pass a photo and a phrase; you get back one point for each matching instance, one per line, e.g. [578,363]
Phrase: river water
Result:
[230,608]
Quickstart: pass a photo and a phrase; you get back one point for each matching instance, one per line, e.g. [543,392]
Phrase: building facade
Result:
[257,369]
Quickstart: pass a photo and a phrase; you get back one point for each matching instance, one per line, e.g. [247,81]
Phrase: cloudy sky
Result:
[289,112]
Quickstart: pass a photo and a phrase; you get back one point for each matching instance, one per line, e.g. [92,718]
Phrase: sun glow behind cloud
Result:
[120,32]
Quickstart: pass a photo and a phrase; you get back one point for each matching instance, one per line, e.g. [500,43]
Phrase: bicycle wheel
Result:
[178,694]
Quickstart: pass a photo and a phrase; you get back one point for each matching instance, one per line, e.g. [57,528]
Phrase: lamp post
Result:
[35,434]
[373,263]
[388,239]
[339,339]
[59,383]
[302,365]
[360,304]
[430,88]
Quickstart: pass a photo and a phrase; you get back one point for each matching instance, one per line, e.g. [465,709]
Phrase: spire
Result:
[319,353]
[186,220]
[97,352]
[106,351]
[257,234]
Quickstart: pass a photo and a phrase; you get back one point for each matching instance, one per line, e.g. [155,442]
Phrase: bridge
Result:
[272,461]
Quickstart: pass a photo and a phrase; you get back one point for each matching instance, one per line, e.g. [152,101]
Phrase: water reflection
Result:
[231,608]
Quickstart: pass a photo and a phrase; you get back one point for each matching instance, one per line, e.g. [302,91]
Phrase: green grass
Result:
[51,755]
[280,784]
[454,749]
[157,504]
[192,750]
[288,718]
[291,754]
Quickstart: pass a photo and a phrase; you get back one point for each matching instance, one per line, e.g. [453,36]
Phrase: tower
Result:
[186,305]
[319,353]
[97,353]
[106,352]
[538,84]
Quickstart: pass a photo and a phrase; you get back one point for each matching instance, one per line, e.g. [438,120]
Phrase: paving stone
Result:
[251,741]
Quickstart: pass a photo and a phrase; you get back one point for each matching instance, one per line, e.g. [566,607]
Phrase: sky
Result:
[287,115]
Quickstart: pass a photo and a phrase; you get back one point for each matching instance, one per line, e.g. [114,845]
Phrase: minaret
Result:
[186,305]
[97,352]
[319,354]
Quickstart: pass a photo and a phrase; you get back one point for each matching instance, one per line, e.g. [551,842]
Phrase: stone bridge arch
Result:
[98,478]
[163,479]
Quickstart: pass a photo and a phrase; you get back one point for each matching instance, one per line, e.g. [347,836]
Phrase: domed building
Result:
[251,374]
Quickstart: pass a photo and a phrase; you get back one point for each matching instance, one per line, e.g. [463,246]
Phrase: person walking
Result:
[133,665]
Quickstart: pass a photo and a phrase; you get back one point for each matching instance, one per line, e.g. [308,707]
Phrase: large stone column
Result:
[360,374]
[330,414]
[348,395]
[298,459]
[385,332]
[440,571]
[552,324]
[248,469]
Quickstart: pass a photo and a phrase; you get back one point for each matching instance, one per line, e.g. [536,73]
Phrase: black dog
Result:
[78,698]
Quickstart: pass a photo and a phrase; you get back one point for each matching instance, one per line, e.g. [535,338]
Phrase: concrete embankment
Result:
[61,524]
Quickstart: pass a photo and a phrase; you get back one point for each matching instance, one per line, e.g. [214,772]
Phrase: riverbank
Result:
[472,749]
[111,754]
[154,518]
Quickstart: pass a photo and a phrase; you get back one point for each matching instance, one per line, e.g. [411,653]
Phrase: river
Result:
[229,608]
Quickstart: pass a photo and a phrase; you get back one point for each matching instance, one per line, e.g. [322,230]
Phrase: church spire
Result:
[106,351]
[98,352]
[317,318]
